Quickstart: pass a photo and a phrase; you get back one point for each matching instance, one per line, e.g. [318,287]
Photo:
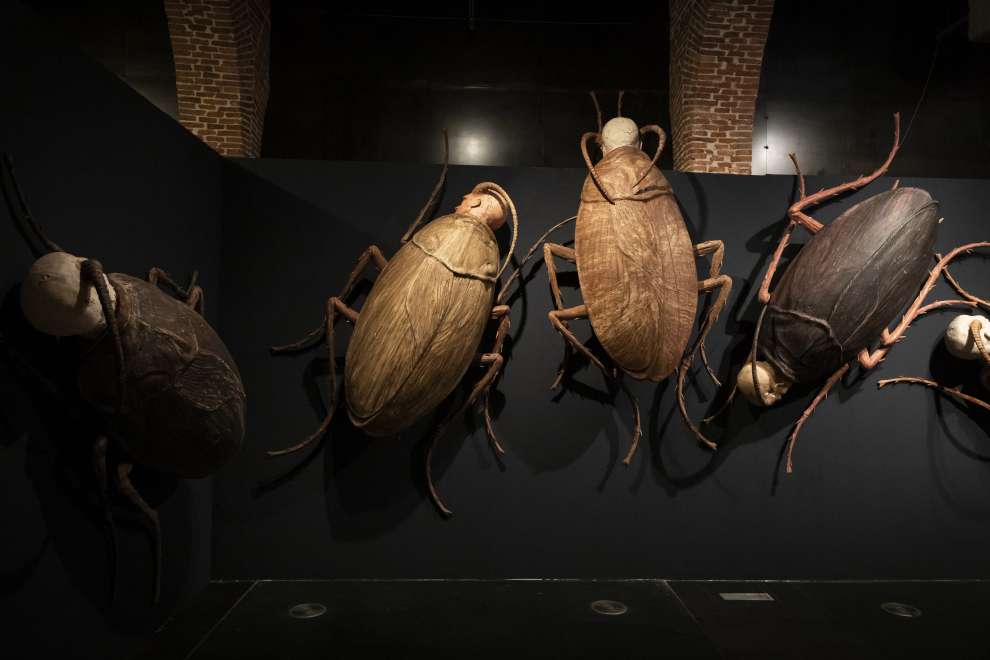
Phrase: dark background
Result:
[377,83]
[112,178]
[890,484]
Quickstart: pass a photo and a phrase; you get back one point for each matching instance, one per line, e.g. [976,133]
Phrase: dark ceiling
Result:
[509,80]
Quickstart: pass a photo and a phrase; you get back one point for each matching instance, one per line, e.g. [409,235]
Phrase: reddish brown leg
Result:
[192,295]
[103,484]
[724,285]
[976,332]
[334,307]
[822,394]
[371,254]
[717,250]
[797,216]
[550,250]
[151,519]
[889,338]
[493,360]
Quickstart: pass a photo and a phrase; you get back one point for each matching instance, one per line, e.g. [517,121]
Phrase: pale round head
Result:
[959,340]
[771,384]
[485,207]
[55,299]
[620,132]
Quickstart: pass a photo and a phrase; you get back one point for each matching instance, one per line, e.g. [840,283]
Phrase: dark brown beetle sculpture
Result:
[840,293]
[171,393]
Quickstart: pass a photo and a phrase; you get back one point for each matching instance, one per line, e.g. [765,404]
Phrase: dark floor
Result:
[567,619]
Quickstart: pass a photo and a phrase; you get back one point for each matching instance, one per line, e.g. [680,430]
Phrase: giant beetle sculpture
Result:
[168,388]
[419,330]
[636,268]
[835,301]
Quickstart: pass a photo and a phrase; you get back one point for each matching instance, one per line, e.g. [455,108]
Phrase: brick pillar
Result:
[220,49]
[716,52]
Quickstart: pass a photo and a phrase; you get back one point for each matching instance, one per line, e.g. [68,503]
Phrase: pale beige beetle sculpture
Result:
[636,267]
[420,328]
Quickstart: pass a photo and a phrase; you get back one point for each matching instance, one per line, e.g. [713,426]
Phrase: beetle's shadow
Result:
[57,429]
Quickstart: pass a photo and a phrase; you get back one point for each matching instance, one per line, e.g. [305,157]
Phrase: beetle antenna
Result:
[529,254]
[21,213]
[598,113]
[92,270]
[431,203]
[618,112]
[591,168]
[662,137]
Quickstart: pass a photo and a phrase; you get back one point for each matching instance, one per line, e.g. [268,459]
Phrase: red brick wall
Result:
[716,52]
[220,49]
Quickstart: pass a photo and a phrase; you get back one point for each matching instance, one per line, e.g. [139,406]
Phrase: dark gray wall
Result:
[887,484]
[112,178]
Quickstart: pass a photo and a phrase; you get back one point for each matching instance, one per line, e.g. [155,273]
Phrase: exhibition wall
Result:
[113,178]
[887,484]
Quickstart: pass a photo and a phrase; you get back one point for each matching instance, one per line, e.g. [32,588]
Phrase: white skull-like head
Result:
[960,341]
[620,132]
[57,300]
[772,385]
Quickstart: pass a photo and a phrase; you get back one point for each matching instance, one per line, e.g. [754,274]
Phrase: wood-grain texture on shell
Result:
[636,266]
[848,283]
[420,327]
[185,403]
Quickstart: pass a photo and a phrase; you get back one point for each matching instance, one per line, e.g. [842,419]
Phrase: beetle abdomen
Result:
[848,283]
[184,405]
[420,326]
[636,266]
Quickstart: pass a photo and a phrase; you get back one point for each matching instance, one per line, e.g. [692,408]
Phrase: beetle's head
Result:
[484,206]
[620,132]
[59,300]
[771,385]
[959,339]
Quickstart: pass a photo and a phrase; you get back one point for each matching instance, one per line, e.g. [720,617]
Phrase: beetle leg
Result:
[102,482]
[792,439]
[334,307]
[550,250]
[151,519]
[372,254]
[717,250]
[191,295]
[494,360]
[935,386]
[558,318]
[724,284]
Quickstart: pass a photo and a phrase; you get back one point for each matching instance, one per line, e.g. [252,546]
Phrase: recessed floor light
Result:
[609,607]
[902,610]
[307,610]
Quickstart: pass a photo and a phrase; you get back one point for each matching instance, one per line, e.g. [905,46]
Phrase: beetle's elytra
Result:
[184,401]
[419,329]
[636,265]
[848,283]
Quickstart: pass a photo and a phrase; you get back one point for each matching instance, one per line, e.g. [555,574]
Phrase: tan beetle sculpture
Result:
[636,267]
[419,329]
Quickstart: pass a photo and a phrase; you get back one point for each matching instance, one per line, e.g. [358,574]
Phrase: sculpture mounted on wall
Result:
[157,372]
[838,296]
[420,328]
[636,268]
